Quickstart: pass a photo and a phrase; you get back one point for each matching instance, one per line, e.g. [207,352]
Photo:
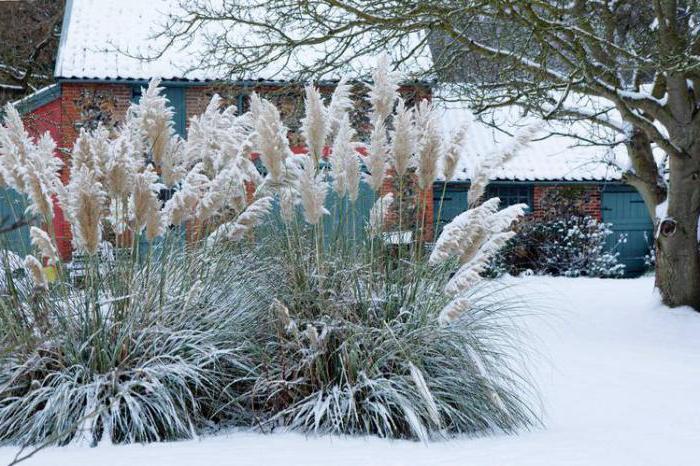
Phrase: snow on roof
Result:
[550,157]
[104,40]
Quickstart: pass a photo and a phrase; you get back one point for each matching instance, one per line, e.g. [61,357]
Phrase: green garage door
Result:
[453,204]
[624,208]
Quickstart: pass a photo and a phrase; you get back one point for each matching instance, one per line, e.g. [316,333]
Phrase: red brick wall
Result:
[586,197]
[113,101]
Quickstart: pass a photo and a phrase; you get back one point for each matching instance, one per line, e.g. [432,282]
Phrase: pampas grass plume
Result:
[41,240]
[403,143]
[314,125]
[36,271]
[312,191]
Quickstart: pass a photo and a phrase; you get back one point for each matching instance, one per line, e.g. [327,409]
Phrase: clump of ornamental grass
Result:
[141,336]
[378,332]
[362,349]
[325,316]
[160,354]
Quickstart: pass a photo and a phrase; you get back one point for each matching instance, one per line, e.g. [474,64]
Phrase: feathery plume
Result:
[172,168]
[340,104]
[341,159]
[271,141]
[383,90]
[376,157]
[155,117]
[251,217]
[84,206]
[454,310]
[15,148]
[403,139]
[35,269]
[312,191]
[226,189]
[453,153]
[145,205]
[81,156]
[99,143]
[483,170]
[288,201]
[378,214]
[469,274]
[314,125]
[429,146]
[41,240]
[462,232]
[41,176]
[182,205]
[120,168]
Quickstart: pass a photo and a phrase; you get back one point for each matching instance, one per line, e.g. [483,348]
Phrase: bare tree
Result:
[29,32]
[638,60]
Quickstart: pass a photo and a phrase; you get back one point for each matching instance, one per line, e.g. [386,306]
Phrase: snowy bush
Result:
[572,247]
[234,301]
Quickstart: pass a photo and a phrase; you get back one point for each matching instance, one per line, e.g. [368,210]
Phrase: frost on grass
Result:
[204,309]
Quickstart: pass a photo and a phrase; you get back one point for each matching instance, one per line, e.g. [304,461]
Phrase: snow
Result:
[619,377]
[109,39]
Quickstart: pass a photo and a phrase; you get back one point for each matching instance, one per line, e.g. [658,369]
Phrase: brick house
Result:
[96,81]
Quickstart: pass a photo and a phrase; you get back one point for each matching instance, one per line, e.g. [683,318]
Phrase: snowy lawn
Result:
[620,382]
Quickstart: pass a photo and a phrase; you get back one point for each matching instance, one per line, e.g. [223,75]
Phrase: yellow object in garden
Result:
[50,273]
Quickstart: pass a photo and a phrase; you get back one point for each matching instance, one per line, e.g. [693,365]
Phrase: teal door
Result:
[12,215]
[451,205]
[624,208]
[346,219]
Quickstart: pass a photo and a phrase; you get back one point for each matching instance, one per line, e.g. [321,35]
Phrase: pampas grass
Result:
[251,217]
[41,240]
[376,157]
[35,270]
[483,168]
[383,90]
[312,325]
[430,150]
[403,139]
[84,207]
[378,214]
[159,363]
[314,125]
[374,358]
[454,151]
[312,191]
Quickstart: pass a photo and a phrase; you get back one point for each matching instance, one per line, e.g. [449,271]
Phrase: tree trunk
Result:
[677,256]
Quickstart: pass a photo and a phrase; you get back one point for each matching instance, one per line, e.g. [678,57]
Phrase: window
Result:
[511,194]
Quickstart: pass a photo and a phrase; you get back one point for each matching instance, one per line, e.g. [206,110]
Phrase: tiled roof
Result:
[103,40]
[550,157]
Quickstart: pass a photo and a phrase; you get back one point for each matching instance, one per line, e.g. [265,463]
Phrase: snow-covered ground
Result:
[619,377]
